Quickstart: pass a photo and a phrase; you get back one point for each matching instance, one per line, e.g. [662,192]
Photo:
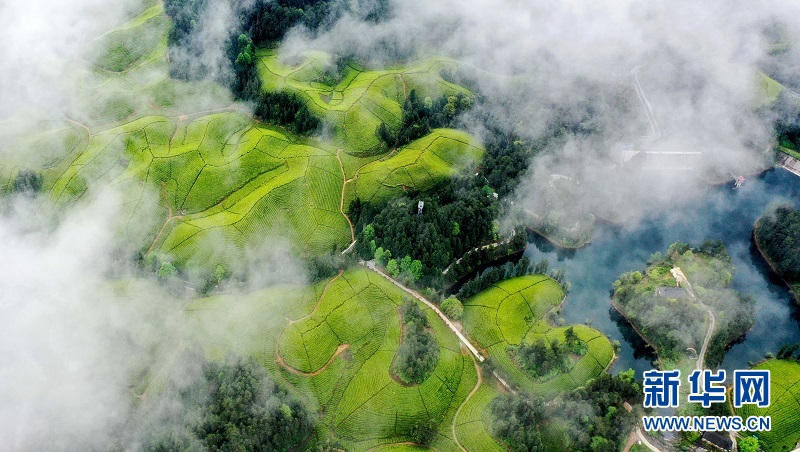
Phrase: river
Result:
[721,213]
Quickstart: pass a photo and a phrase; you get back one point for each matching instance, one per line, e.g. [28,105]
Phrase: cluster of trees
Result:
[456,218]
[517,420]
[507,157]
[787,131]
[234,405]
[738,320]
[267,21]
[778,237]
[27,181]
[420,116]
[594,417]
[418,353]
[787,352]
[476,258]
[286,109]
[407,269]
[540,359]
[185,55]
[493,275]
[453,308]
[590,419]
[281,108]
[573,343]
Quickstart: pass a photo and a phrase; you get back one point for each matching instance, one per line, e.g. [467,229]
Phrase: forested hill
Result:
[777,236]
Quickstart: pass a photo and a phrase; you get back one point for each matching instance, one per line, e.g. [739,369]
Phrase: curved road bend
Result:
[682,280]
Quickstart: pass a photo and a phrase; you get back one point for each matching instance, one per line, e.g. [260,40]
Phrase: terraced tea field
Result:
[784,405]
[515,311]
[334,343]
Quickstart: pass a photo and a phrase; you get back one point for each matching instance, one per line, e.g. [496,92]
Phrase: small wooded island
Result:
[681,304]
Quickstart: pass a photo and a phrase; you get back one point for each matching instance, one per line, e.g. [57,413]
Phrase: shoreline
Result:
[558,244]
[615,305]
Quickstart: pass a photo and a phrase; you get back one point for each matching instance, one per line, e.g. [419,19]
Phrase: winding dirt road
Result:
[371,265]
[712,319]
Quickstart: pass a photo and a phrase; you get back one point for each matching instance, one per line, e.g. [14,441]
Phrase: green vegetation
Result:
[777,235]
[418,353]
[453,308]
[422,165]
[333,344]
[121,49]
[784,405]
[454,219]
[224,185]
[671,325]
[232,406]
[225,182]
[518,311]
[592,418]
[420,116]
[492,275]
[362,99]
[517,418]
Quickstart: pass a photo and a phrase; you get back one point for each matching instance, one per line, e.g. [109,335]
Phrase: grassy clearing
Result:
[516,311]
[784,405]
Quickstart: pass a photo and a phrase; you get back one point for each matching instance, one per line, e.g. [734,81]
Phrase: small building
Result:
[717,441]
[672,292]
[420,206]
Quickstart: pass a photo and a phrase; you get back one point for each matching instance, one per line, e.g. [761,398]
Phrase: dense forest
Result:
[233,405]
[592,418]
[418,353]
[778,237]
[457,217]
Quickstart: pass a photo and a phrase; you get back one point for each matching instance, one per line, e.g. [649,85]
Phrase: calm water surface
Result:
[722,213]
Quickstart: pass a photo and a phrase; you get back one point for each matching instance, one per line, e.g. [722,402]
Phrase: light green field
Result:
[421,165]
[121,48]
[362,99]
[515,311]
[768,89]
[784,405]
[296,332]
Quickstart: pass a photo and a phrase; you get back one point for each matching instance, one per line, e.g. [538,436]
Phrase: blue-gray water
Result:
[722,213]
